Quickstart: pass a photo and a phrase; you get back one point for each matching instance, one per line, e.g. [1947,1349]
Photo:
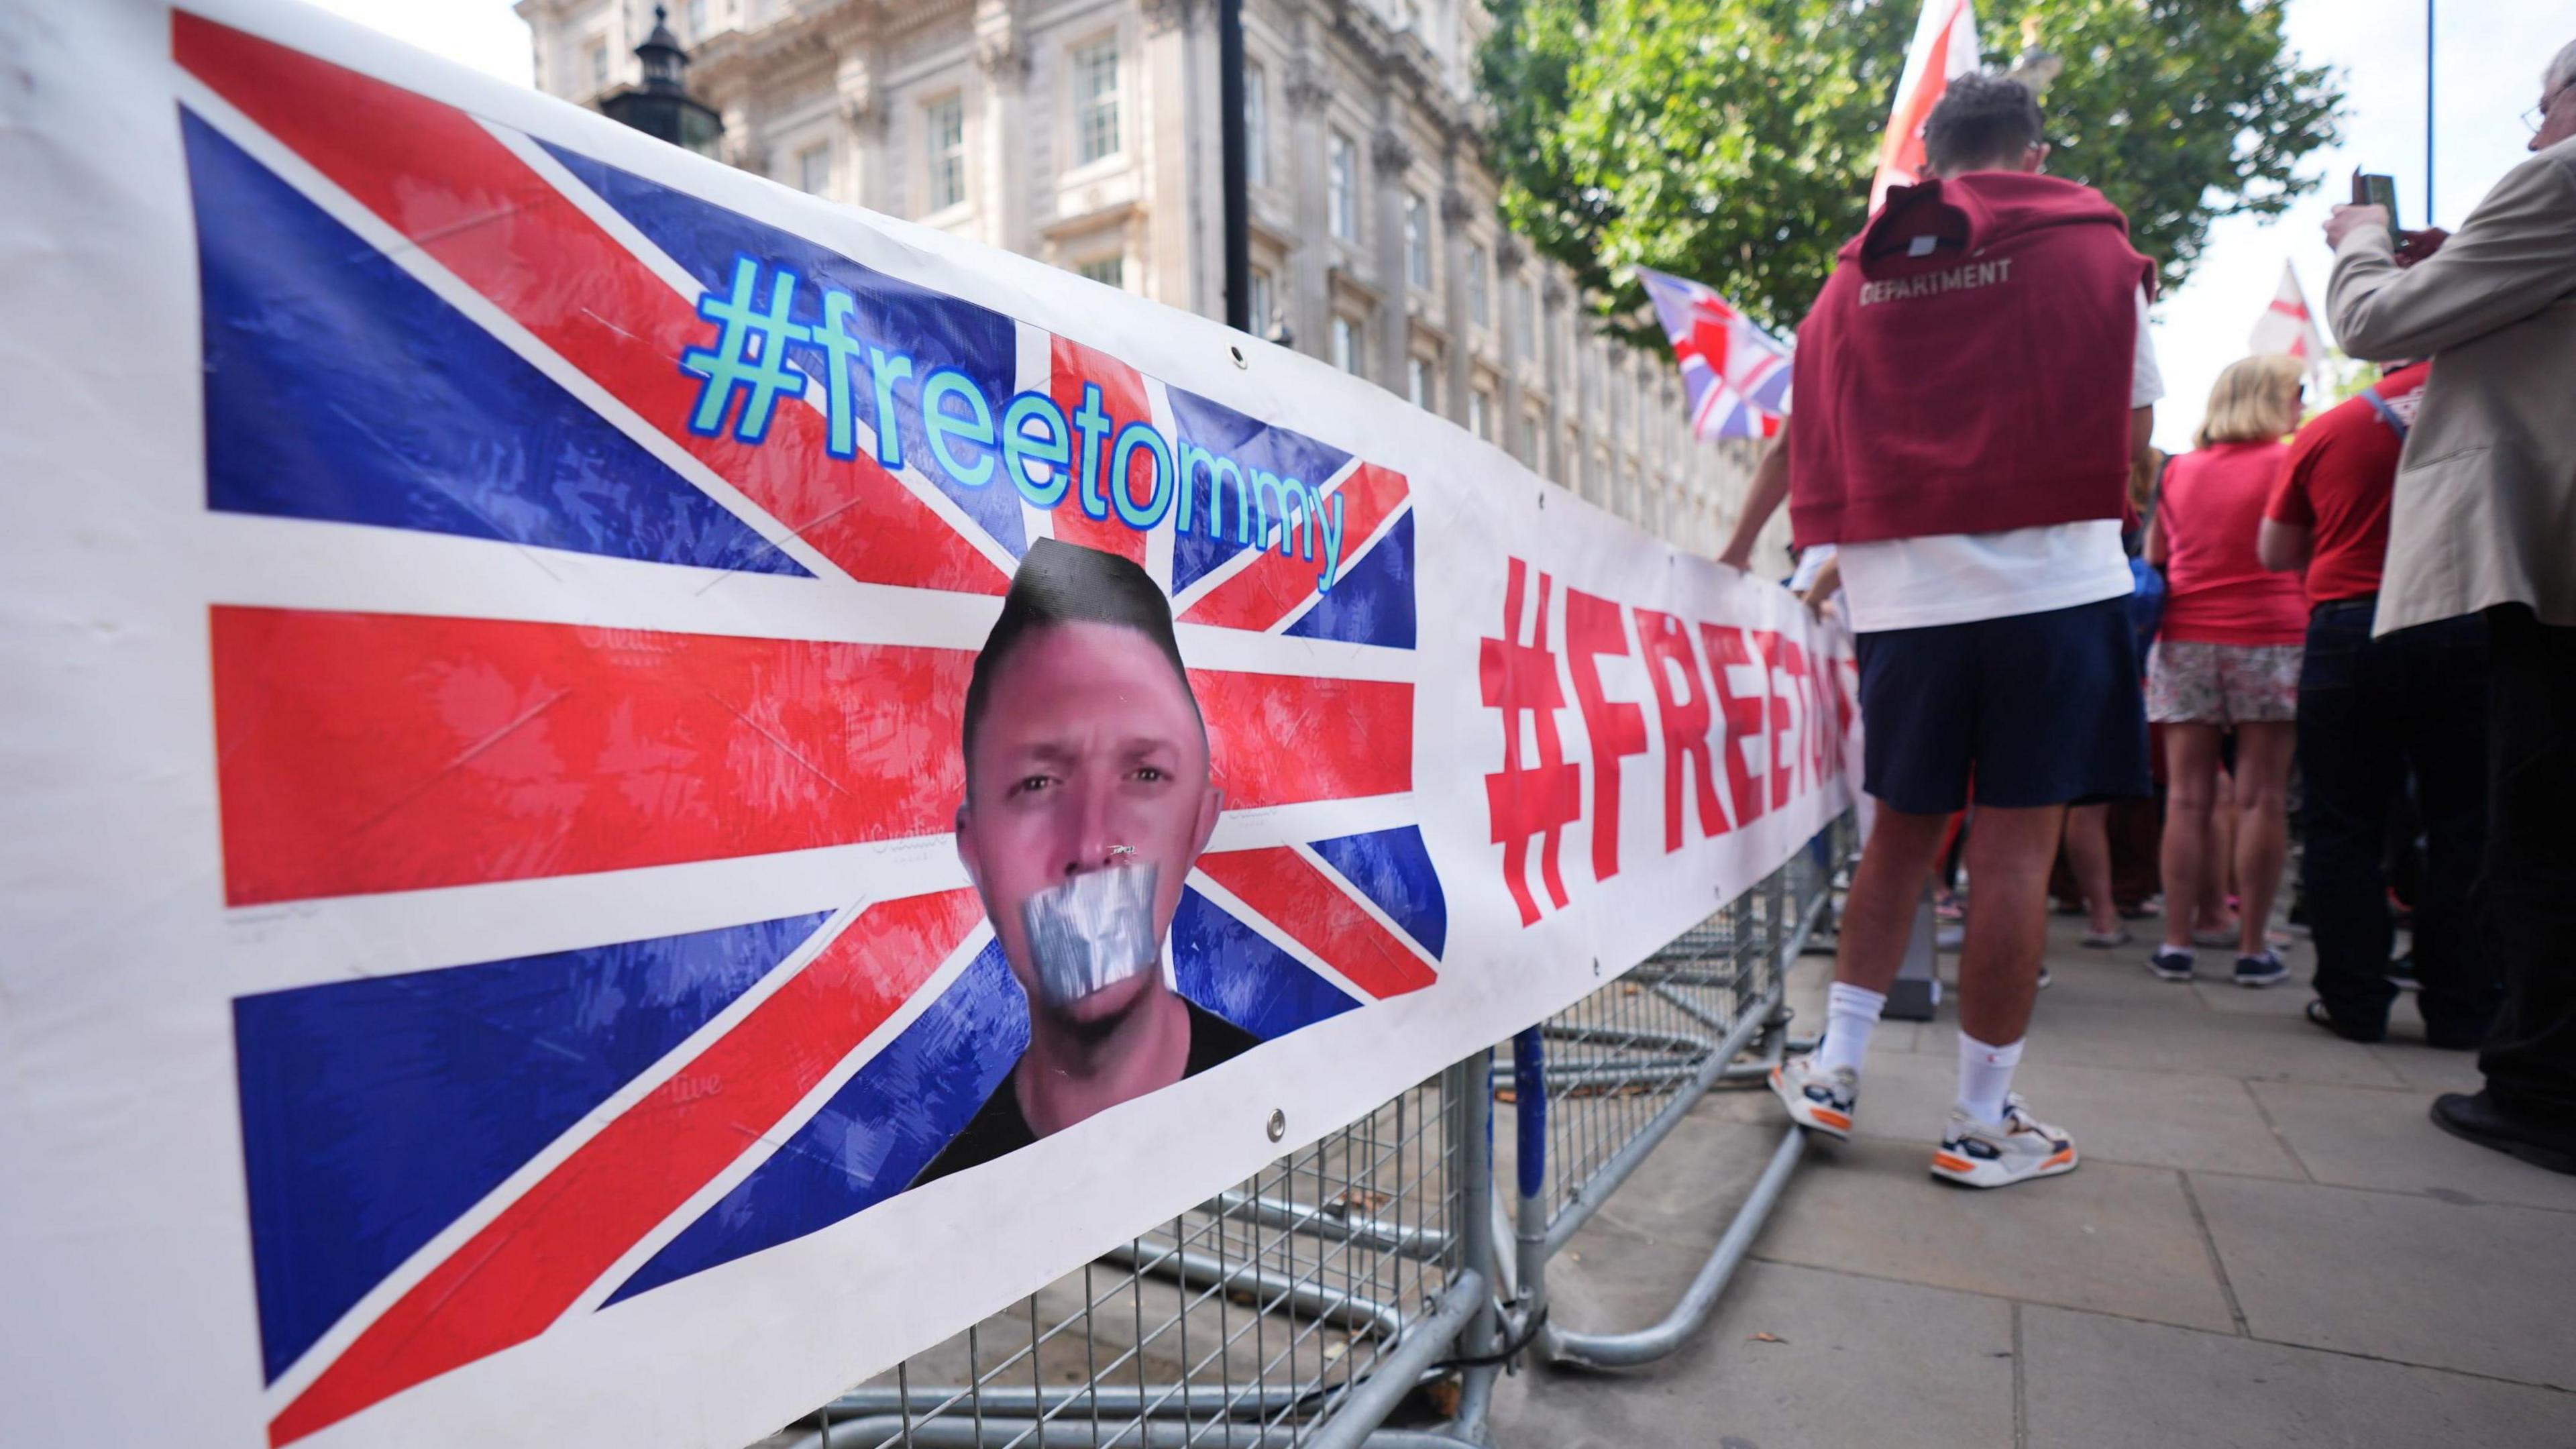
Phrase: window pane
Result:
[1261,303]
[1478,419]
[945,127]
[1346,344]
[1095,92]
[1417,382]
[697,19]
[1417,242]
[1476,300]
[1110,271]
[1256,125]
[1342,187]
[598,64]
[814,169]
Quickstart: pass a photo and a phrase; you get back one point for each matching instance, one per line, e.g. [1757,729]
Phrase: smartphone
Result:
[2374,189]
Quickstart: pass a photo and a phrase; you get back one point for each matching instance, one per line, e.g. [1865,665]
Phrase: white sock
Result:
[1851,1013]
[1985,1076]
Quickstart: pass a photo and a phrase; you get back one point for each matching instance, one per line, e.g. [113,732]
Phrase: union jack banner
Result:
[491,601]
[1736,374]
[638,649]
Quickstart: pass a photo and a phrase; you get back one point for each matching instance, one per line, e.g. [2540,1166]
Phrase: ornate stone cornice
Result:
[1307,91]
[1455,209]
[1003,59]
[1553,294]
[1390,152]
[864,114]
[1509,253]
[1162,17]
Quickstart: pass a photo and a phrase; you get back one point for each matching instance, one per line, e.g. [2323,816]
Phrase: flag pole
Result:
[2428,116]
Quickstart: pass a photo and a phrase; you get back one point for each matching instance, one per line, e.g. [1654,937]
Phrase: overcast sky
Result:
[2489,55]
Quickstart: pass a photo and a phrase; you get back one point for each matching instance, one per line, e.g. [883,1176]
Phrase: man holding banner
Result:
[1975,379]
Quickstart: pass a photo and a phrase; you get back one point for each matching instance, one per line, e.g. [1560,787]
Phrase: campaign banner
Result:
[632,794]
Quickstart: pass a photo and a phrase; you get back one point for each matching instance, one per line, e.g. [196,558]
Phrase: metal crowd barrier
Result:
[1375,1274]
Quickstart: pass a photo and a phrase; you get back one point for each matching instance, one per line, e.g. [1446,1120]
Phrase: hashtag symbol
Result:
[1533,802]
[750,355]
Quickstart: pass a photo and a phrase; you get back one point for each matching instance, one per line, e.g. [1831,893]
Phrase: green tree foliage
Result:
[1732,141]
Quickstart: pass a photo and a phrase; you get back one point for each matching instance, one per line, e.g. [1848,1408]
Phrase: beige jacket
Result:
[2485,507]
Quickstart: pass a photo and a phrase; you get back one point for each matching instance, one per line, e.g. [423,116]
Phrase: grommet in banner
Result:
[1235,349]
[1278,1124]
[1596,966]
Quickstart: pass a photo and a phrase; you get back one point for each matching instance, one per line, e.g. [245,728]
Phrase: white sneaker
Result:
[1973,1154]
[1818,1100]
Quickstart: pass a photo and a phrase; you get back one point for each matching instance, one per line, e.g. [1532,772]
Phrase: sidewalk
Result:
[2268,1244]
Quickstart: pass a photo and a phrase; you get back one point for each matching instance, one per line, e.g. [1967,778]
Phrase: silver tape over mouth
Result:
[1092,932]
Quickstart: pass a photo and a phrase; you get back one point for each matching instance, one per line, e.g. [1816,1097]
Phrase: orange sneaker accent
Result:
[1829,1117]
[2063,1154]
[1950,1163]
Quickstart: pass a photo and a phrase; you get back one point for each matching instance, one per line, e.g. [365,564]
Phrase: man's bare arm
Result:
[2284,547]
[1770,487]
[2142,433]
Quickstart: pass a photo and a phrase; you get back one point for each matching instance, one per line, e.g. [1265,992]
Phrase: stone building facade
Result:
[1084,133]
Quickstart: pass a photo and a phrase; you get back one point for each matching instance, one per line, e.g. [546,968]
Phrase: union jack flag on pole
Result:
[1736,374]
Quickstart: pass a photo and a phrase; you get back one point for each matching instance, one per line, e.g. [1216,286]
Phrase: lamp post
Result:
[661,106]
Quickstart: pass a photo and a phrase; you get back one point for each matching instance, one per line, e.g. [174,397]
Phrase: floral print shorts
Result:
[2222,684]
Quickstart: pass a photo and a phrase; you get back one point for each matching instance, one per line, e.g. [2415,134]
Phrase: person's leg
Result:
[1886,890]
[2007,920]
[2262,825]
[2348,753]
[2526,897]
[2191,775]
[2444,720]
[2218,845]
[2088,853]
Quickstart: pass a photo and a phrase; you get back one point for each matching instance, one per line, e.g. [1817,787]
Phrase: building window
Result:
[1346,344]
[1095,101]
[696,18]
[598,61]
[1529,439]
[1525,297]
[1263,303]
[945,126]
[1480,417]
[1418,386]
[1256,125]
[814,170]
[1417,240]
[1479,305]
[1342,187]
[1108,271]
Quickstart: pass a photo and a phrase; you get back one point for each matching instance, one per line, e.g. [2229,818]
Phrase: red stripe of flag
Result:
[1320,916]
[1122,397]
[430,172]
[553,1242]
[1283,739]
[1270,587]
[384,752]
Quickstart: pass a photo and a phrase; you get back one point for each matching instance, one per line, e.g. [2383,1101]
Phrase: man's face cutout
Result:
[1089,757]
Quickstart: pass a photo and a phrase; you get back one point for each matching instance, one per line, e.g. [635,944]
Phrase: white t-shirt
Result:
[1957,578]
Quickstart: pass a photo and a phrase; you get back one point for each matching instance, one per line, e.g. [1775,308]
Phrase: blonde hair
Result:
[2256,400]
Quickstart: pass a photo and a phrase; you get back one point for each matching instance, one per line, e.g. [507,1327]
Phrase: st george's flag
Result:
[2286,326]
[1736,374]
[1945,48]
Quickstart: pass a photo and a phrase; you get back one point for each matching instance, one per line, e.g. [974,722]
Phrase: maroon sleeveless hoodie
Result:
[1967,367]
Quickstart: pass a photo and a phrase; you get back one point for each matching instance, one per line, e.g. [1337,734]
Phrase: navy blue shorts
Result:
[2039,709]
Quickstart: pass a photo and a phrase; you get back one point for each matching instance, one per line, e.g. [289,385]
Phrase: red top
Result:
[2342,468]
[2220,592]
[1966,368]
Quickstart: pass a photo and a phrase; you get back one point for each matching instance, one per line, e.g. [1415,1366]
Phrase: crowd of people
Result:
[2087,653]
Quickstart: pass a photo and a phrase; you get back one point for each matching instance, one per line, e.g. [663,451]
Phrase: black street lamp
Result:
[661,106]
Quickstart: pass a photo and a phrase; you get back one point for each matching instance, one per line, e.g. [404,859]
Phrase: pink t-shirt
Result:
[2211,510]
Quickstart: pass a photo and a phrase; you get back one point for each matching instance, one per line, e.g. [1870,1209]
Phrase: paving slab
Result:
[2424,1068]
[2108,1237]
[1858,1362]
[2378,1138]
[2154,1119]
[2092,1382]
[2214,1043]
[2290,998]
[2483,1287]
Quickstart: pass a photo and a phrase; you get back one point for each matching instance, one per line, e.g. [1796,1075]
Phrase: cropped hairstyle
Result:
[1981,119]
[1064,583]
